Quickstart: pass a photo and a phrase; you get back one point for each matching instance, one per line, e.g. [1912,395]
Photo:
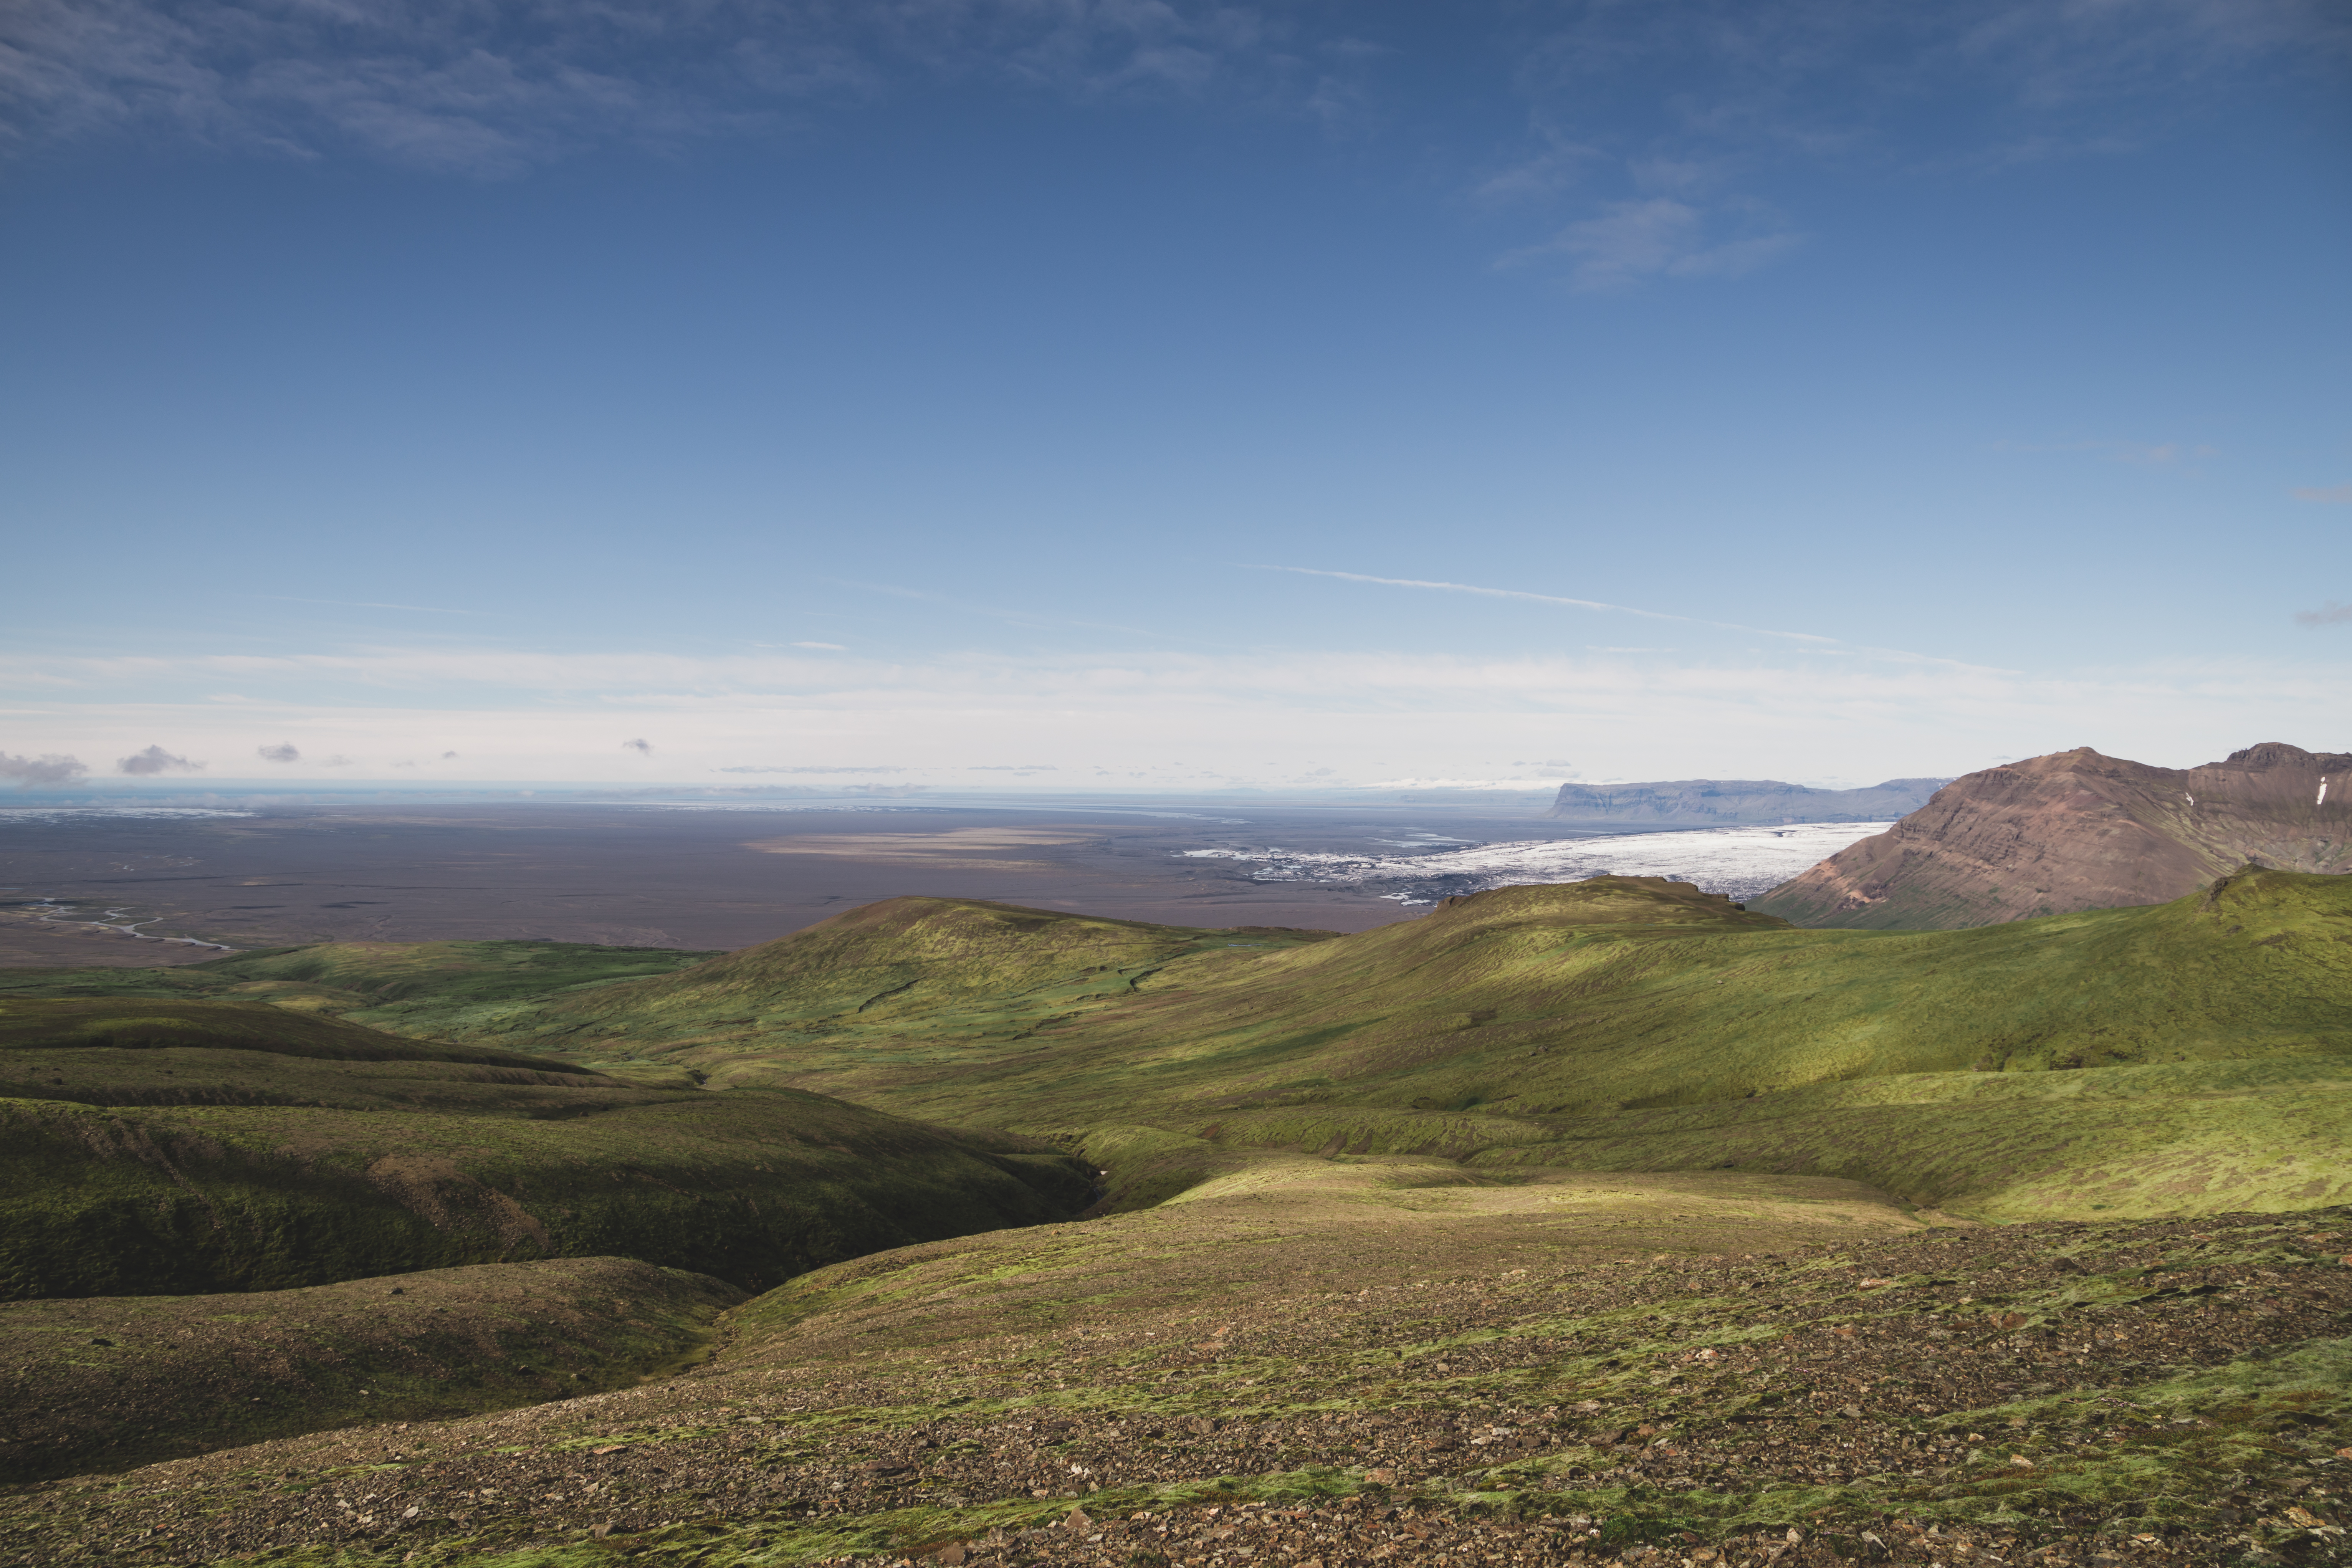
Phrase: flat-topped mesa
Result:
[1732,803]
[2077,830]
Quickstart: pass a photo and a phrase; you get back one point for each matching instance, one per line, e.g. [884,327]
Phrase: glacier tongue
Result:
[1740,862]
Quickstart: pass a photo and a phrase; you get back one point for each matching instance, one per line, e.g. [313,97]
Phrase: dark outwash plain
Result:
[572,1186]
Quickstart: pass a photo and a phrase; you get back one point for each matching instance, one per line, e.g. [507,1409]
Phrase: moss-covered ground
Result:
[111,1382]
[1364,1358]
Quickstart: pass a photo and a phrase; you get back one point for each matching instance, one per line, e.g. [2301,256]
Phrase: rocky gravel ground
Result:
[2168,1393]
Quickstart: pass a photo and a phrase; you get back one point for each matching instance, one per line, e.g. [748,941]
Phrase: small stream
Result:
[54,911]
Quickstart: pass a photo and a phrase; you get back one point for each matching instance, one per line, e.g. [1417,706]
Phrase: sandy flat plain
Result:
[635,876]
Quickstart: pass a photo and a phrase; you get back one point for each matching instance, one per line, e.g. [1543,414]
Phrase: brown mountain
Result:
[2075,830]
[1725,802]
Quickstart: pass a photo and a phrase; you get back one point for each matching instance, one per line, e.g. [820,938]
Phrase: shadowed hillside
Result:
[388,980]
[152,1148]
[202,1372]
[2075,830]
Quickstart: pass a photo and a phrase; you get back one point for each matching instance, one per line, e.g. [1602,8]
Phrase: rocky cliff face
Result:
[2075,830]
[1728,803]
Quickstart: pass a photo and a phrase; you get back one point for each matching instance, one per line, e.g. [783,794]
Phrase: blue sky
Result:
[1151,395]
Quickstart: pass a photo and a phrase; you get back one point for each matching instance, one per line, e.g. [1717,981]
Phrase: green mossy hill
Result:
[401,985]
[899,960]
[195,1161]
[1584,998]
[2190,1057]
[106,1383]
[33,1028]
[2018,1058]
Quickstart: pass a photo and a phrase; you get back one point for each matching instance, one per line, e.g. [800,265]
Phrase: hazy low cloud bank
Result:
[55,768]
[1162,721]
[809,770]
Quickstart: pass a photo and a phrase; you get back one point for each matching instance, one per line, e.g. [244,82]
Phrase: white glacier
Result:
[1740,862]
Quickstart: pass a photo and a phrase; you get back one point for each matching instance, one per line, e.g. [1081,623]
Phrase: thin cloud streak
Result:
[1536,598]
[364,604]
[1820,643]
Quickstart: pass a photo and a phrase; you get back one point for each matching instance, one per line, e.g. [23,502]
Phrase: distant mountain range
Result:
[2076,830]
[1732,803]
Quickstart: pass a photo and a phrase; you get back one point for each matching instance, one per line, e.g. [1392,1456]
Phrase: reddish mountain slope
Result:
[2075,830]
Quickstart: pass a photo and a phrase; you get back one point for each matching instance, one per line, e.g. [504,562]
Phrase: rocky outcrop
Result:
[2076,830]
[1728,803]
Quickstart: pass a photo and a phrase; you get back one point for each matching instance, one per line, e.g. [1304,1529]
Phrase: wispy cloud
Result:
[2328,615]
[364,604]
[642,747]
[825,646]
[2142,454]
[491,91]
[1633,242]
[2333,495]
[1847,78]
[1542,174]
[277,753]
[1540,599]
[1813,641]
[1659,121]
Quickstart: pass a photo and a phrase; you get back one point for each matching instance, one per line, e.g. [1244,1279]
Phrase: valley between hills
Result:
[1606,1221]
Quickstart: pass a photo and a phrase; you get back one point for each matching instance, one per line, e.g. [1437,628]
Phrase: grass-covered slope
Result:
[409,986]
[909,961]
[1998,1068]
[2191,1057]
[1380,1363]
[206,1146]
[31,1028]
